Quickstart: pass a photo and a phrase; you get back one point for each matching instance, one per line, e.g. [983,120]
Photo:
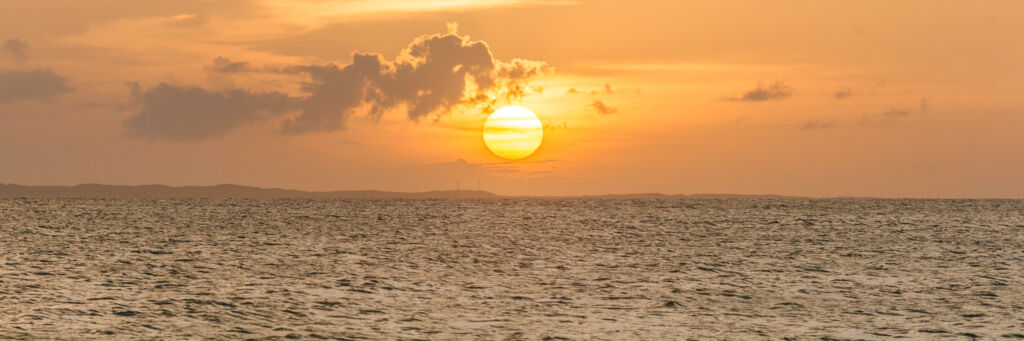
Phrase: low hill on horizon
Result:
[690,196]
[239,191]
[215,191]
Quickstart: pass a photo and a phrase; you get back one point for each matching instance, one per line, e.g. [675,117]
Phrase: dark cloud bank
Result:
[37,85]
[434,75]
[192,113]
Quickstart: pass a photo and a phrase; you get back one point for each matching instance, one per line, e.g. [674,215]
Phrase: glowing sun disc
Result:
[513,132]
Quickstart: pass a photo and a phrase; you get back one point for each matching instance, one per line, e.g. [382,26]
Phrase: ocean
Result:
[508,268]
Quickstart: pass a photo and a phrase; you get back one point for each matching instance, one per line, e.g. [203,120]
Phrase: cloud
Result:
[178,113]
[602,108]
[887,116]
[896,113]
[316,13]
[606,89]
[221,73]
[431,77]
[842,93]
[16,49]
[187,20]
[335,94]
[224,65]
[549,126]
[39,85]
[774,91]
[817,125]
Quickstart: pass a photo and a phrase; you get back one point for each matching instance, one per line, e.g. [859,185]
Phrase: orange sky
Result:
[894,98]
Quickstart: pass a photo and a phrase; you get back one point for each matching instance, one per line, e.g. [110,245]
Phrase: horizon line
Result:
[68,191]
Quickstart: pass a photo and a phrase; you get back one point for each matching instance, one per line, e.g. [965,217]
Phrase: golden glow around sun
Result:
[513,132]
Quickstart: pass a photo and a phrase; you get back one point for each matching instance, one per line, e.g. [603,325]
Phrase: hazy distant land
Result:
[238,191]
[217,191]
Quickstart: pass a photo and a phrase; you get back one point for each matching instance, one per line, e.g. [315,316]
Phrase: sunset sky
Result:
[818,98]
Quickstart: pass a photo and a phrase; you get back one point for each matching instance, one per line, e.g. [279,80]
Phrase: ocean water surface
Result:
[511,269]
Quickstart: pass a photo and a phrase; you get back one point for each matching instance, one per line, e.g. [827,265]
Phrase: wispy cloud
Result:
[774,91]
[842,93]
[633,66]
[606,89]
[817,125]
[602,108]
[885,117]
[16,49]
[318,12]
[221,73]
[224,65]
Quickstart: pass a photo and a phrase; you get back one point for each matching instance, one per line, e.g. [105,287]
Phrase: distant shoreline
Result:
[99,191]
[239,191]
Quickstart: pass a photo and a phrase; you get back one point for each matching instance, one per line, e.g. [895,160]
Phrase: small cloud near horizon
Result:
[817,125]
[602,108]
[606,89]
[885,117]
[842,93]
[774,91]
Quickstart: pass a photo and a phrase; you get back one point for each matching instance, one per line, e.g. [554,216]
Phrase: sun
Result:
[513,132]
